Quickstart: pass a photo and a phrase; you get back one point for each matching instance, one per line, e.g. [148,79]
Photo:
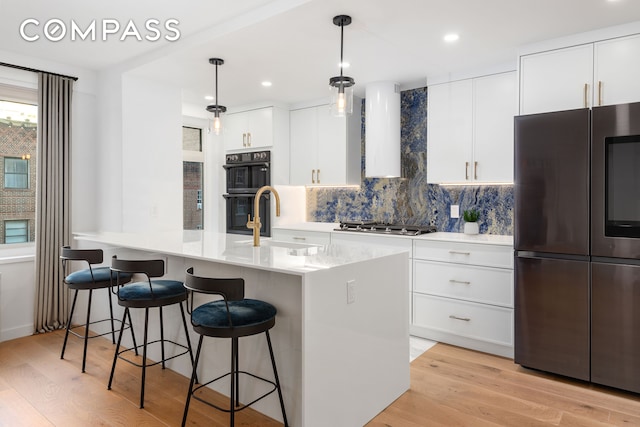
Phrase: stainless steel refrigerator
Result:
[551,238]
[577,244]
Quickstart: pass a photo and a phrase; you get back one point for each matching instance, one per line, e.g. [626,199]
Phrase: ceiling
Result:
[295,45]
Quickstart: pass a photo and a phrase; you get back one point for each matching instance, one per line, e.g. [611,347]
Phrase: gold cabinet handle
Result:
[299,238]
[475,170]
[318,176]
[465,319]
[248,139]
[466,170]
[244,139]
[586,89]
[313,176]
[463,282]
[599,92]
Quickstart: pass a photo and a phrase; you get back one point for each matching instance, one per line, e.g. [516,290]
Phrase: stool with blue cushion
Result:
[233,317]
[147,294]
[90,278]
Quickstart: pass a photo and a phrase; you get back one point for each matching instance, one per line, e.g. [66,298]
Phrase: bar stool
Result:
[90,279]
[147,294]
[231,317]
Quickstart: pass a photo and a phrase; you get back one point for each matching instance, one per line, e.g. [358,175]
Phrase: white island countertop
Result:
[235,249]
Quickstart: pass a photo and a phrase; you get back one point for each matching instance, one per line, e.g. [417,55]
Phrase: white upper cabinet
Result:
[249,129]
[584,76]
[617,62]
[470,130]
[325,150]
[556,80]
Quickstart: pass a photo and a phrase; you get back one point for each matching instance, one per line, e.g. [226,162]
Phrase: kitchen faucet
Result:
[255,224]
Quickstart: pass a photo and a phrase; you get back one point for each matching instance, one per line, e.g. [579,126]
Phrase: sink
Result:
[296,249]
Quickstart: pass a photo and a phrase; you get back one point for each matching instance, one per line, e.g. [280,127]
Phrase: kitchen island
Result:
[341,338]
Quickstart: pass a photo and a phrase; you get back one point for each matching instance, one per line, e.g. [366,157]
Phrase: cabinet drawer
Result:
[465,253]
[297,236]
[467,319]
[354,238]
[472,283]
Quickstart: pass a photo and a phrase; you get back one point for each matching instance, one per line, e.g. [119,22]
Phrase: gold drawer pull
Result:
[464,319]
[459,253]
[464,282]
[299,238]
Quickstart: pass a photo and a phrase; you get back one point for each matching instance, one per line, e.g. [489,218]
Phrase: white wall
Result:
[151,155]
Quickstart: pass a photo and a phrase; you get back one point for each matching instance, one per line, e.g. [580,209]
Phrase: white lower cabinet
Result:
[463,294]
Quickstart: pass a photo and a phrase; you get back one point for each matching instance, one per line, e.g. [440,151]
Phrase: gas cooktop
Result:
[385,228]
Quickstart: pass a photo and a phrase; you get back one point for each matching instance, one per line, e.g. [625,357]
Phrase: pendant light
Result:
[216,109]
[341,86]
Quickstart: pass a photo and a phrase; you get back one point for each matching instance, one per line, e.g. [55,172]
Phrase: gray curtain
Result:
[53,216]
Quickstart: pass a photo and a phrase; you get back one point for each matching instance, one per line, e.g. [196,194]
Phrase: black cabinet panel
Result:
[552,315]
[615,322]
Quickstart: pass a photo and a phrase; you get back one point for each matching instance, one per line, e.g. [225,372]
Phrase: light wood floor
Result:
[450,386]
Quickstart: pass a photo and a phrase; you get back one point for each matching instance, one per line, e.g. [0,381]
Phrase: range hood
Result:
[382,130]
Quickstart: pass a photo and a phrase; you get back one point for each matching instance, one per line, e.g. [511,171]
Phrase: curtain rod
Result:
[35,70]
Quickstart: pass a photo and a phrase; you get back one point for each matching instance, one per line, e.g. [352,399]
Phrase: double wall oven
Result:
[246,173]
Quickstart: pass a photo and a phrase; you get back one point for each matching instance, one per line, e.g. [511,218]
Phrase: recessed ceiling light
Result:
[208,97]
[266,83]
[451,37]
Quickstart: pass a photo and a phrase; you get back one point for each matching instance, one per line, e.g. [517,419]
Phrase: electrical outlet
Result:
[455,211]
[351,291]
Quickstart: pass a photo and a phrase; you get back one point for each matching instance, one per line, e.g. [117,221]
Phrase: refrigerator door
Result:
[552,182]
[613,121]
[552,315]
[615,322]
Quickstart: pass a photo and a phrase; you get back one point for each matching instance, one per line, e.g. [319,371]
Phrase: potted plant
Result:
[470,217]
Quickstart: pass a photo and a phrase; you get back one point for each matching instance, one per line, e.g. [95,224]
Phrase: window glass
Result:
[192,179]
[18,161]
[16,231]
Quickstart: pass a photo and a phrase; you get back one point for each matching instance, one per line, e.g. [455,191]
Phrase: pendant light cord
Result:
[341,48]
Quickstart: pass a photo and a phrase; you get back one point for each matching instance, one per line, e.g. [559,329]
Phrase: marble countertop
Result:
[283,257]
[328,227]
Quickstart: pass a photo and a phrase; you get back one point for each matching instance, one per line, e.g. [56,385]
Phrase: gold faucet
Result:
[255,224]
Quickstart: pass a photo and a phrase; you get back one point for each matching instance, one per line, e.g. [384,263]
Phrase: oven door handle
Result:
[243,165]
[266,195]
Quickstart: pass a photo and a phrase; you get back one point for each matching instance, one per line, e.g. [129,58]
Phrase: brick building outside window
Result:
[18,142]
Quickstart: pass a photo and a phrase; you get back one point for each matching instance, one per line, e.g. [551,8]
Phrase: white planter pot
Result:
[471,228]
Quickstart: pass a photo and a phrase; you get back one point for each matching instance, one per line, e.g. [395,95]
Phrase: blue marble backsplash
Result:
[409,199]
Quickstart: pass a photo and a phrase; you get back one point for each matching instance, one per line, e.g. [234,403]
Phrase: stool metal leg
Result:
[115,356]
[113,327]
[86,331]
[193,380]
[162,337]
[232,404]
[275,374]
[66,335]
[144,355]
[133,336]
[186,332]
[237,370]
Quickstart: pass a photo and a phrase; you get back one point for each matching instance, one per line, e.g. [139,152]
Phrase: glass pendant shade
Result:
[216,109]
[341,102]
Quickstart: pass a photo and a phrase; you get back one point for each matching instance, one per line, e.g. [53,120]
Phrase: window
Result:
[192,179]
[16,231]
[18,161]
[16,173]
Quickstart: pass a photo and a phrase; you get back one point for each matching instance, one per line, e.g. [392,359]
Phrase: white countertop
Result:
[493,239]
[284,257]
